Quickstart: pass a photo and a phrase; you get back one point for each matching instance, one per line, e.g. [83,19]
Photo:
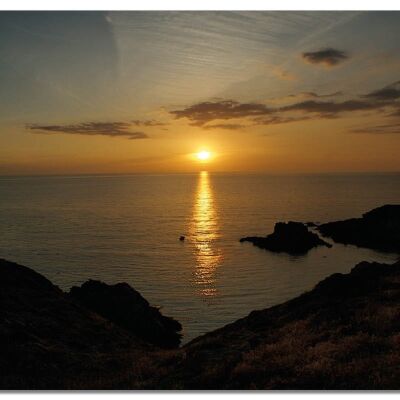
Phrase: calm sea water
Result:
[127,228]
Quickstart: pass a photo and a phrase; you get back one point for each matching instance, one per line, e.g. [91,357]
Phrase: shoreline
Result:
[215,360]
[342,334]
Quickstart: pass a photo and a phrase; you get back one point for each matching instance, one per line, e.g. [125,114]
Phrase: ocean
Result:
[127,228]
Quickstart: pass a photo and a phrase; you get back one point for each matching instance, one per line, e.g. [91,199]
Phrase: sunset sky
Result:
[133,92]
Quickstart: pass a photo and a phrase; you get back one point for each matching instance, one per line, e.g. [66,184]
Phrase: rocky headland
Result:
[49,340]
[127,308]
[377,229]
[343,334]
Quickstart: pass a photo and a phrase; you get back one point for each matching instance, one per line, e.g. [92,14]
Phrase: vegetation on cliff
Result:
[343,334]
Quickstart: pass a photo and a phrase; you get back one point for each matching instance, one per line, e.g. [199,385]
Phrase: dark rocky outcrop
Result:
[291,237]
[377,229]
[49,341]
[125,307]
[343,334]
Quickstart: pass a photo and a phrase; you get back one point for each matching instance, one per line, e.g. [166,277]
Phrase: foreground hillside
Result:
[49,341]
[344,334]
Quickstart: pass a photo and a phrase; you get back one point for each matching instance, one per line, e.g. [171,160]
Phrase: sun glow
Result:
[203,155]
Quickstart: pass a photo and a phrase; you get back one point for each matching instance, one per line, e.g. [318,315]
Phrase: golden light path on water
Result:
[204,233]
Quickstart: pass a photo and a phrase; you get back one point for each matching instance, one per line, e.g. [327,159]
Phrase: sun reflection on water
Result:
[204,233]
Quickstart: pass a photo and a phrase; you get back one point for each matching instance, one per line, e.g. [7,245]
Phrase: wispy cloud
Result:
[151,122]
[226,126]
[303,96]
[331,107]
[113,129]
[201,113]
[390,92]
[320,96]
[379,129]
[210,114]
[268,120]
[279,119]
[328,57]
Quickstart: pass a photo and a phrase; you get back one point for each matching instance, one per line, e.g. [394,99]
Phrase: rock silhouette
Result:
[377,229]
[343,334]
[339,336]
[125,307]
[48,341]
[311,224]
[291,237]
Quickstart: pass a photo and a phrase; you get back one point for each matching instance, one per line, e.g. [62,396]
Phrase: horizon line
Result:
[111,174]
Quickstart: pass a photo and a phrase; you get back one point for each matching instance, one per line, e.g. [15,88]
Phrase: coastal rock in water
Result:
[124,306]
[291,237]
[377,229]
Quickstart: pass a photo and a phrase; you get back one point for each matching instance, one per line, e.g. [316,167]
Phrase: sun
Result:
[203,155]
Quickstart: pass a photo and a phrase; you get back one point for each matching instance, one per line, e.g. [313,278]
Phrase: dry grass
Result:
[345,334]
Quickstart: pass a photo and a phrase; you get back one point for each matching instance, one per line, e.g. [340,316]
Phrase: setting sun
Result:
[203,155]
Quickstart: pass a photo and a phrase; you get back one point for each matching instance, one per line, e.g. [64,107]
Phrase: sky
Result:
[143,92]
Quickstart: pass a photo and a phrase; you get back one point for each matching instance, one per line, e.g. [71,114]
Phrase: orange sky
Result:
[133,92]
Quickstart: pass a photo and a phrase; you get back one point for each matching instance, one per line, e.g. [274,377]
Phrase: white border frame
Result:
[304,5]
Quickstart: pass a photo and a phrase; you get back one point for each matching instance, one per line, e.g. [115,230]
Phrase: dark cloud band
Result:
[210,114]
[331,107]
[390,92]
[151,122]
[113,129]
[201,113]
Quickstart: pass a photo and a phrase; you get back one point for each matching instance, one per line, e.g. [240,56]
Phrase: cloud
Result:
[151,122]
[271,120]
[278,119]
[201,113]
[380,129]
[390,92]
[320,96]
[303,96]
[113,129]
[329,57]
[331,107]
[226,126]
[224,113]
